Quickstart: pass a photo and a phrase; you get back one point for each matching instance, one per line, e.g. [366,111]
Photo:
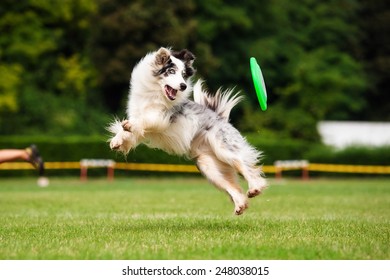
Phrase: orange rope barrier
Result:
[368,169]
[319,167]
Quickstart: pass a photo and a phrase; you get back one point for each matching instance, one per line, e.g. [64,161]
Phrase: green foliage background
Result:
[65,65]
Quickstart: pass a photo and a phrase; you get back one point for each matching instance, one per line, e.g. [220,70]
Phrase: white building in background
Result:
[341,134]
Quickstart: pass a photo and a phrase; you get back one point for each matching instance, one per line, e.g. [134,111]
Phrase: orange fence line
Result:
[157,167]
[318,167]
[48,165]
[341,168]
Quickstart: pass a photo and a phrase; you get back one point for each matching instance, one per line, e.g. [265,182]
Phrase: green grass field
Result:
[187,218]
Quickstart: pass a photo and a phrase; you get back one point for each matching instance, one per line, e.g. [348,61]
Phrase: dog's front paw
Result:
[116,143]
[126,125]
[122,142]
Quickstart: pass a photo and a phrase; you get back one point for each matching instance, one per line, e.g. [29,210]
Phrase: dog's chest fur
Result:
[187,122]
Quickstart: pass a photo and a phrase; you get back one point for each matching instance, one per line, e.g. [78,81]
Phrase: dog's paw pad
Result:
[115,147]
[240,209]
[253,192]
[115,144]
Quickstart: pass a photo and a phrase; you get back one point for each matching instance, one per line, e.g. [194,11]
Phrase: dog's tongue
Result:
[170,92]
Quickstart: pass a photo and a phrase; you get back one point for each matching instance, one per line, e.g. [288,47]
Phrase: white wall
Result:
[341,134]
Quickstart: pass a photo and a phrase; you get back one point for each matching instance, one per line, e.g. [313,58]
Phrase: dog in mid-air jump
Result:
[160,115]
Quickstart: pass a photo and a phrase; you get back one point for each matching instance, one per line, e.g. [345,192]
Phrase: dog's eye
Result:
[171,71]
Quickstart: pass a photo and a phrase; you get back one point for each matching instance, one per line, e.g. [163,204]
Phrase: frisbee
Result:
[258,82]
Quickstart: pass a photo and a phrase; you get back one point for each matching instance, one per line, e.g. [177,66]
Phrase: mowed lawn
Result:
[187,218]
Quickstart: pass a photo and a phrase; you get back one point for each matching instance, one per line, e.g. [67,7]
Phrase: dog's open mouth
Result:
[170,92]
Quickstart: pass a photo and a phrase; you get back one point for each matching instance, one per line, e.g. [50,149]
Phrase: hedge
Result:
[74,148]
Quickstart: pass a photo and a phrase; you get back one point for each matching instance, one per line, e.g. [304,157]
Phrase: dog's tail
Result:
[222,102]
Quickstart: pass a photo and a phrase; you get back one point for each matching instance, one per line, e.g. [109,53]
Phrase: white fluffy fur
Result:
[224,99]
[196,129]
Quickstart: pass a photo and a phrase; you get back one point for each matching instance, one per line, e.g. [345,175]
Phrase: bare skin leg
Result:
[13,155]
[30,154]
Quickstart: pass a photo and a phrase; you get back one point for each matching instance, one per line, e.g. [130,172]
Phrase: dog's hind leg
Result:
[253,175]
[243,160]
[231,148]
[223,177]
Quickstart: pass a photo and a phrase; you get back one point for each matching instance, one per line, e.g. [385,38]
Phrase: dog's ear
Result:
[162,56]
[185,55]
[188,58]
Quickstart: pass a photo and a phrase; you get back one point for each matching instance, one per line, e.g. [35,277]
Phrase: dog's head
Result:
[173,70]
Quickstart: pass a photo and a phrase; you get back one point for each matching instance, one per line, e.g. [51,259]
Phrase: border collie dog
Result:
[161,115]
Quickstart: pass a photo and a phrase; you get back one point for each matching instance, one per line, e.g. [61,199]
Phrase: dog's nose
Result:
[183,86]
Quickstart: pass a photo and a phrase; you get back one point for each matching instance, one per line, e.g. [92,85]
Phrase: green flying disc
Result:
[259,84]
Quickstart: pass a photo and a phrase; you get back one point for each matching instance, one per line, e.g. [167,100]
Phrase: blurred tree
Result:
[226,27]
[78,76]
[60,61]
[310,70]
[374,51]
[47,81]
[9,84]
